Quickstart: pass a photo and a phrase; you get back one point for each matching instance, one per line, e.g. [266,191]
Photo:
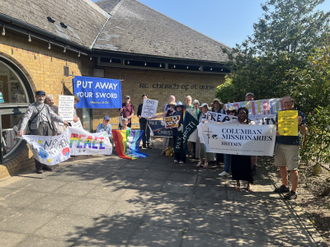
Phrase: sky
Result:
[226,21]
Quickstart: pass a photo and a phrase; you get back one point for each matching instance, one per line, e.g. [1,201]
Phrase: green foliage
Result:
[225,91]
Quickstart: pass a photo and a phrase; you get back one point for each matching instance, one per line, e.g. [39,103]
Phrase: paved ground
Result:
[108,201]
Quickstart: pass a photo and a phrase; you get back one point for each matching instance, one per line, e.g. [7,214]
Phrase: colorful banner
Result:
[149,108]
[50,150]
[172,122]
[188,125]
[239,139]
[127,143]
[288,123]
[66,107]
[261,111]
[157,129]
[85,143]
[214,117]
[100,93]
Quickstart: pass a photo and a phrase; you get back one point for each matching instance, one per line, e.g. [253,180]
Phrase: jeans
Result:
[143,126]
[227,162]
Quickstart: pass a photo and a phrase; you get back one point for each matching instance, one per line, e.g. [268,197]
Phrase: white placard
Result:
[66,107]
[240,139]
[149,108]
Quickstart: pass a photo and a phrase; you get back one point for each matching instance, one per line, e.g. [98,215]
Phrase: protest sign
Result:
[261,111]
[172,122]
[76,124]
[157,129]
[149,108]
[239,139]
[288,123]
[101,93]
[85,143]
[214,117]
[50,150]
[66,107]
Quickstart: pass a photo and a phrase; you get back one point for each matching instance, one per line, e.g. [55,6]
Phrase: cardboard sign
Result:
[172,122]
[288,123]
[66,107]
[149,108]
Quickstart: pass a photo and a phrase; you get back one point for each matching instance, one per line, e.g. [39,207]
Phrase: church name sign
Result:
[176,86]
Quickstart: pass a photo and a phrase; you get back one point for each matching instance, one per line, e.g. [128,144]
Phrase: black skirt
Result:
[241,168]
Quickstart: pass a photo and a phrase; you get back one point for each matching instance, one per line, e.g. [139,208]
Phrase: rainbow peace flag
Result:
[127,143]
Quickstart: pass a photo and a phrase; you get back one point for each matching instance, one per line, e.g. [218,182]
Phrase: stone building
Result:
[45,44]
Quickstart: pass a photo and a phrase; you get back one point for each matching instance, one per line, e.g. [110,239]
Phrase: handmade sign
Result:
[214,117]
[101,93]
[50,150]
[288,123]
[157,129]
[76,124]
[127,143]
[261,111]
[149,108]
[172,122]
[85,143]
[240,139]
[66,107]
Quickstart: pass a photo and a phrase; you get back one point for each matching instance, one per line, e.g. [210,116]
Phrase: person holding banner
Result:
[146,139]
[127,110]
[168,113]
[227,157]
[105,126]
[200,147]
[38,117]
[241,165]
[57,129]
[287,152]
[195,112]
[178,156]
[250,97]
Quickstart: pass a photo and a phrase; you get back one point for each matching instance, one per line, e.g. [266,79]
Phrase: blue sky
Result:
[227,21]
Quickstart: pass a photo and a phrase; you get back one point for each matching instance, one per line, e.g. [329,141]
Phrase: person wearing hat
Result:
[200,147]
[38,117]
[250,97]
[231,110]
[167,113]
[178,157]
[105,126]
[146,139]
[127,110]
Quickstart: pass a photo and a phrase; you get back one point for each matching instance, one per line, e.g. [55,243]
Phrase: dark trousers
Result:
[146,135]
[43,130]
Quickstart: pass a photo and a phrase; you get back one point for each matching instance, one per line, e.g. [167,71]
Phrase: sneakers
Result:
[291,195]
[39,171]
[47,168]
[282,189]
[224,173]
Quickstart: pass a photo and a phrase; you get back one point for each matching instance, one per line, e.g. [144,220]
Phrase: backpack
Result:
[169,151]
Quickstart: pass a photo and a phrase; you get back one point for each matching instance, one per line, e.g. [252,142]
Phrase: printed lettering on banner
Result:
[288,123]
[214,117]
[85,143]
[149,108]
[66,107]
[50,150]
[172,122]
[157,129]
[239,139]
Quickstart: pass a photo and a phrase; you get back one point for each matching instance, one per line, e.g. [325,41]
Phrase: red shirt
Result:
[127,111]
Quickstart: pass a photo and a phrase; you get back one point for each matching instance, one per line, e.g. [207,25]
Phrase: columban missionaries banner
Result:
[239,139]
[50,150]
[85,143]
[97,93]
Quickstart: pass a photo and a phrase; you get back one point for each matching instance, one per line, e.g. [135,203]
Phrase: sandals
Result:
[206,165]
[249,189]
[199,164]
[175,161]
[238,188]
[163,152]
[181,162]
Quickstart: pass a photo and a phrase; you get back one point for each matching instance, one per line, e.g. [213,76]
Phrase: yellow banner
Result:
[288,123]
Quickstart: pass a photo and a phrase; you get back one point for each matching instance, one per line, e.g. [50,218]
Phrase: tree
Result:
[282,40]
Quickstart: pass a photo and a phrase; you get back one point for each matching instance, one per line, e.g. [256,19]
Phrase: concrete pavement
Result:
[109,201]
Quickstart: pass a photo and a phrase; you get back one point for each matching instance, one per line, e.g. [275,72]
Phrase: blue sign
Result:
[100,93]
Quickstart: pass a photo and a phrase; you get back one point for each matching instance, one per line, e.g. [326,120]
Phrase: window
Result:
[17,95]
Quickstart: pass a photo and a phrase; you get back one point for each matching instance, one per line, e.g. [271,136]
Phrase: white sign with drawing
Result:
[66,107]
[149,108]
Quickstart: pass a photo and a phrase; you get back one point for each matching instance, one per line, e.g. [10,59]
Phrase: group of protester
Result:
[43,119]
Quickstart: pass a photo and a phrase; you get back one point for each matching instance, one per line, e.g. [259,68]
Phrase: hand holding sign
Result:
[288,123]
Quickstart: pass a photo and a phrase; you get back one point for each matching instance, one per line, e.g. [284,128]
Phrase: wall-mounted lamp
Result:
[110,60]
[187,67]
[160,65]
[64,49]
[174,66]
[79,54]
[145,64]
[49,46]
[91,58]
[210,69]
[3,31]
[29,38]
[128,62]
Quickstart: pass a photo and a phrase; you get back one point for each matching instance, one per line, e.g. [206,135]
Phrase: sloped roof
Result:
[135,28]
[83,18]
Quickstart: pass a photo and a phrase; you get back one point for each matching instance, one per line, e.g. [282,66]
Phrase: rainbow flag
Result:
[127,143]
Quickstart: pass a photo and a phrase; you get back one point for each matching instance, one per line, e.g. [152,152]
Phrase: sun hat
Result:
[205,104]
[179,103]
[231,108]
[127,97]
[217,100]
[249,93]
[195,102]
